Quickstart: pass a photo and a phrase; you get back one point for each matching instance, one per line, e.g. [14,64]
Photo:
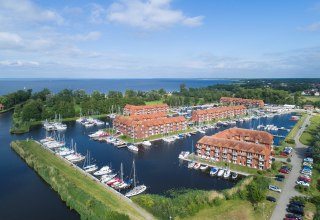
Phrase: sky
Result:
[159,39]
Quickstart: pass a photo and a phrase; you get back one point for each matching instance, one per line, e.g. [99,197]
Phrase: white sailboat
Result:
[136,189]
[103,171]
[87,166]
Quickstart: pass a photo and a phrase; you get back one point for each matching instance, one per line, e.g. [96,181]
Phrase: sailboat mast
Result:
[134,174]
[121,172]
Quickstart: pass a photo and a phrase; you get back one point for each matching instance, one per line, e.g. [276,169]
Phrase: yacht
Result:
[184,154]
[103,171]
[146,143]
[107,177]
[100,133]
[136,189]
[87,166]
[132,147]
[169,139]
[234,175]
[197,166]
[226,174]
[220,172]
[213,171]
[191,164]
[204,167]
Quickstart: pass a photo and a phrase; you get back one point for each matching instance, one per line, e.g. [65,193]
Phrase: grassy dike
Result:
[90,199]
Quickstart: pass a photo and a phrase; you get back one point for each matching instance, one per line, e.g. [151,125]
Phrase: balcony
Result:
[249,161]
[234,154]
[261,158]
[225,151]
[208,153]
[217,154]
[234,158]
[224,156]
[217,151]
[208,148]
[249,156]
[198,151]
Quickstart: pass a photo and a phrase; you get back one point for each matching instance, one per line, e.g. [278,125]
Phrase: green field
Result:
[313,129]
[311,98]
[154,102]
[90,199]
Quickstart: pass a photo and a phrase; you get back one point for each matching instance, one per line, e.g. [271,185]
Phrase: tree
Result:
[255,193]
[32,110]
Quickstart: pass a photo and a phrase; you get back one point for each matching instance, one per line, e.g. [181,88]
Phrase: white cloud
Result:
[311,28]
[18,63]
[9,40]
[147,14]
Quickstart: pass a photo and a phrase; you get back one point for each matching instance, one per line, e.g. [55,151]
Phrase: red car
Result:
[285,171]
[284,154]
[304,178]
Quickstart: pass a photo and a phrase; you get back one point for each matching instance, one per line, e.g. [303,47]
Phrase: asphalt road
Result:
[288,190]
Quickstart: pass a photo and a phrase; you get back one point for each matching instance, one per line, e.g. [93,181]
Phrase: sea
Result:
[105,85]
[24,195]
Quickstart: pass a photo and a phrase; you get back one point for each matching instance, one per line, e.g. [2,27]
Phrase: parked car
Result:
[284,154]
[279,179]
[284,171]
[304,178]
[293,216]
[286,167]
[302,183]
[306,172]
[295,210]
[281,176]
[308,159]
[297,203]
[307,164]
[271,199]
[274,188]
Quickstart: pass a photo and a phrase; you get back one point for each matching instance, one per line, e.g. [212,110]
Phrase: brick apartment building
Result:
[239,146]
[143,126]
[252,103]
[145,109]
[217,113]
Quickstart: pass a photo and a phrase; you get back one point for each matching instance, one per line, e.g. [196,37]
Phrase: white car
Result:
[274,188]
[308,159]
[303,183]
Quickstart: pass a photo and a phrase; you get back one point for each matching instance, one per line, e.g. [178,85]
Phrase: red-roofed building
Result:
[143,126]
[239,146]
[1,107]
[145,109]
[218,113]
[252,103]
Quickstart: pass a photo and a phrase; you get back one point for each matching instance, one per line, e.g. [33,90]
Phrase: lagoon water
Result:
[157,167]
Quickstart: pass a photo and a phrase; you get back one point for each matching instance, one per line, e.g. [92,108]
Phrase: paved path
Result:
[288,190]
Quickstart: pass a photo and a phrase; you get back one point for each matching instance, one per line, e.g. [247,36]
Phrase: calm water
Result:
[158,167]
[103,85]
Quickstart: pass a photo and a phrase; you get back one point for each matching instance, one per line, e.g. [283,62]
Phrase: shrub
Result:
[289,160]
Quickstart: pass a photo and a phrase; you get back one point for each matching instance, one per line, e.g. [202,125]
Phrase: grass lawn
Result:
[154,102]
[311,98]
[235,210]
[310,210]
[306,138]
[39,157]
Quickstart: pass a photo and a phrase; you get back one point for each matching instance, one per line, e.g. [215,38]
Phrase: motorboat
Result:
[132,147]
[197,166]
[204,167]
[191,164]
[214,171]
[103,171]
[184,154]
[221,172]
[107,177]
[169,139]
[146,143]
[226,174]
[100,133]
[234,175]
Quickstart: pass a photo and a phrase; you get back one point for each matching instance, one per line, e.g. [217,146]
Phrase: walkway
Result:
[288,190]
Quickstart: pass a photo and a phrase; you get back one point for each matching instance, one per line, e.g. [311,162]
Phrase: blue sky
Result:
[159,38]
